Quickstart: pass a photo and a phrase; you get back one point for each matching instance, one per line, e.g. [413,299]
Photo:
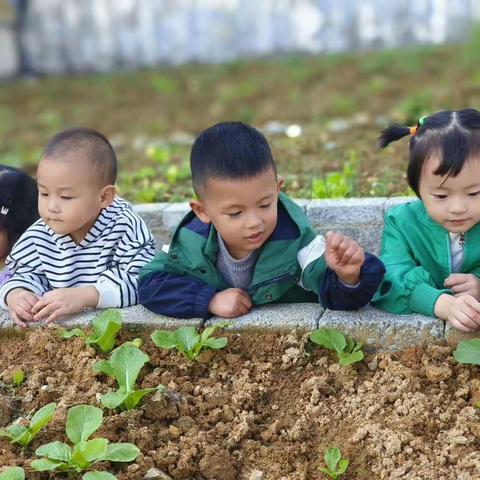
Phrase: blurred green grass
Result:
[340,101]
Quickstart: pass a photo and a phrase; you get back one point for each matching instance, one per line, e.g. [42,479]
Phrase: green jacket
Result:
[416,254]
[181,282]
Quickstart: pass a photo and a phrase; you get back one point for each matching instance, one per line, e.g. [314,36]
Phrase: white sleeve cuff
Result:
[109,293]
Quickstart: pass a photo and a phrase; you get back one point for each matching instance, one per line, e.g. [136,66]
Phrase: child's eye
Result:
[440,197]
[43,194]
[234,214]
[474,194]
[65,198]
[265,206]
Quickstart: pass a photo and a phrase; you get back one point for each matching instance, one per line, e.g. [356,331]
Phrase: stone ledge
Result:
[377,329]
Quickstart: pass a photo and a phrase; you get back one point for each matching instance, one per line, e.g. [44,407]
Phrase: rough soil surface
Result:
[261,409]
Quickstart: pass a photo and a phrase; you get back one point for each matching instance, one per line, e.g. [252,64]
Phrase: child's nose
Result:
[53,205]
[457,205]
[253,220]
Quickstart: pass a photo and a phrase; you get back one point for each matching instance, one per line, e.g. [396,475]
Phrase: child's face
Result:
[453,202]
[69,198]
[243,212]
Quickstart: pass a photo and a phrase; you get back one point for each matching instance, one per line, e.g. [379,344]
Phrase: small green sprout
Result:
[124,365]
[348,351]
[83,421]
[13,473]
[18,377]
[105,327]
[336,465]
[188,341]
[24,435]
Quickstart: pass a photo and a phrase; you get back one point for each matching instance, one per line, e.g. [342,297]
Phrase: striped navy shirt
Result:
[109,257]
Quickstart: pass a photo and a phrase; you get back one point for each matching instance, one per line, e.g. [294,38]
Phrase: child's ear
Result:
[107,195]
[199,210]
[280,181]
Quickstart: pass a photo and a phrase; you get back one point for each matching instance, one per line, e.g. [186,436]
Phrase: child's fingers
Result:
[46,311]
[23,309]
[348,253]
[474,305]
[460,287]
[460,326]
[332,240]
[16,320]
[455,279]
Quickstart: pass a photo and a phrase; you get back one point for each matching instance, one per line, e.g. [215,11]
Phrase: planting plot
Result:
[268,401]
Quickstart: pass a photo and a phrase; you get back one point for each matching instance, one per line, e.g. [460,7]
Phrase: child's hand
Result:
[230,303]
[64,301]
[464,313]
[20,304]
[344,256]
[460,283]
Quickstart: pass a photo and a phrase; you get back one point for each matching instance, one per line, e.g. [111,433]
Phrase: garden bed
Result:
[269,402]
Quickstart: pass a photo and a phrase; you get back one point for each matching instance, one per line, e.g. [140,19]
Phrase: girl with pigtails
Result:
[431,246]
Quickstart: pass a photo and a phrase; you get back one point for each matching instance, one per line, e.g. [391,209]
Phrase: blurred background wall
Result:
[65,36]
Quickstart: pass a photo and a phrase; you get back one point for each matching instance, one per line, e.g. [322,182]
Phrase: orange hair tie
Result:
[413,130]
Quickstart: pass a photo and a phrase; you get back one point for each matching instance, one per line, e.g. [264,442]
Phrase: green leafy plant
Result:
[336,465]
[468,351]
[24,435]
[188,341]
[13,473]
[105,327]
[83,421]
[18,377]
[348,351]
[124,365]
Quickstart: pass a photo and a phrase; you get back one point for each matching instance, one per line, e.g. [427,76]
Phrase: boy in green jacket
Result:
[244,243]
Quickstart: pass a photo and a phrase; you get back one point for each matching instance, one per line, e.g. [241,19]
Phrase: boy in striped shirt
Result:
[88,246]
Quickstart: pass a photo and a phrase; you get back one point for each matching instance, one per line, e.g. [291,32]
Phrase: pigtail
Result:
[393,133]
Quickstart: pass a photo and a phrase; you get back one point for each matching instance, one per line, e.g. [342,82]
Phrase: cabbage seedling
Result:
[348,351]
[124,365]
[105,327]
[188,341]
[24,435]
[336,465]
[13,473]
[18,377]
[82,421]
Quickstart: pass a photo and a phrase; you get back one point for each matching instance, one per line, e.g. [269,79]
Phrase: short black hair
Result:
[452,135]
[229,150]
[96,147]
[18,202]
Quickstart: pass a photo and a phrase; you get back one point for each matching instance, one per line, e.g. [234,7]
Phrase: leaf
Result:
[342,466]
[468,351]
[215,343]
[209,330]
[41,418]
[326,472]
[13,432]
[13,473]
[349,358]
[76,332]
[133,398]
[332,457]
[105,327]
[55,451]
[329,338]
[82,421]
[18,377]
[126,363]
[121,452]
[164,339]
[46,465]
[94,449]
[98,476]
[114,399]
[187,337]
[103,366]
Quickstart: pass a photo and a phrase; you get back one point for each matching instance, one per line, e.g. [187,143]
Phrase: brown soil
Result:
[261,404]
